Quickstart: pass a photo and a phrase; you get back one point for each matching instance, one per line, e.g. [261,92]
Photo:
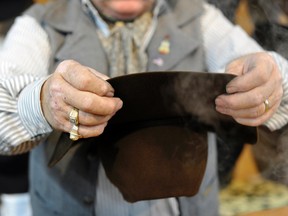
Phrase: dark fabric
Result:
[270,154]
[269,31]
[227,158]
[166,161]
[14,174]
[272,37]
[12,8]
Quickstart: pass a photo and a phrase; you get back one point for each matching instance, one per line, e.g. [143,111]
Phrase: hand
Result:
[74,85]
[258,78]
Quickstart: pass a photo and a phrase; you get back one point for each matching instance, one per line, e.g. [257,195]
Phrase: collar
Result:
[90,9]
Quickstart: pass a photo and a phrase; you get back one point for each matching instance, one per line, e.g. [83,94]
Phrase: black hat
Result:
[156,145]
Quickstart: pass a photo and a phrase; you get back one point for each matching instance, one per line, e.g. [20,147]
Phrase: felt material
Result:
[156,145]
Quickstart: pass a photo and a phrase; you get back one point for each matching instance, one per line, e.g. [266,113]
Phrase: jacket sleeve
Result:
[224,42]
[24,60]
[271,149]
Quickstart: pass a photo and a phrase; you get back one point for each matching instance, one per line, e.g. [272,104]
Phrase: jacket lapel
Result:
[80,40]
[172,25]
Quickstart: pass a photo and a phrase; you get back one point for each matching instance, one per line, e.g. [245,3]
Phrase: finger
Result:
[88,119]
[86,101]
[247,81]
[102,76]
[94,104]
[252,70]
[256,115]
[86,131]
[245,100]
[91,131]
[261,119]
[90,124]
[252,112]
[84,79]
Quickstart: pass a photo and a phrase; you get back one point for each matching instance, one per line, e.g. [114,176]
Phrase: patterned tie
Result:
[123,46]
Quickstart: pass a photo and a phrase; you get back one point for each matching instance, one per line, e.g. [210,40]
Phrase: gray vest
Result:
[69,187]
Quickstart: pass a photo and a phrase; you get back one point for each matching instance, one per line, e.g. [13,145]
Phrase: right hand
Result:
[74,85]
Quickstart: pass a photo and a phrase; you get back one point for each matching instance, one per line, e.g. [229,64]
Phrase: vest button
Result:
[88,199]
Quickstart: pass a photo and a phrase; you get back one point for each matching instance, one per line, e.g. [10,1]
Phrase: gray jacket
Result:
[69,187]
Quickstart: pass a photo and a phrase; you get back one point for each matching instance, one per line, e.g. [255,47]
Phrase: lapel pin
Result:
[158,61]
[164,47]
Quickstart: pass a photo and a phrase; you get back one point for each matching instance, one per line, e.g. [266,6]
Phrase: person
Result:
[56,60]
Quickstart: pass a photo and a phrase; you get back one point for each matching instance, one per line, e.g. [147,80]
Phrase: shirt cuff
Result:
[280,117]
[30,112]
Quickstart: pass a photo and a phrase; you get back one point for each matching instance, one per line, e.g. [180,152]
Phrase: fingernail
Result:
[231,89]
[219,109]
[119,104]
[110,94]
[218,101]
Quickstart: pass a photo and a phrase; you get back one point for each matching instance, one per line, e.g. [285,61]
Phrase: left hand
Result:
[258,79]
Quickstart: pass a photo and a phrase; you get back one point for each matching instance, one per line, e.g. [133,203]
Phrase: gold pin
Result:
[164,47]
[119,24]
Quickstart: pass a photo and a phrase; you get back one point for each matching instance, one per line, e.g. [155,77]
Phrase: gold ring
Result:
[267,105]
[74,119]
[74,116]
[74,133]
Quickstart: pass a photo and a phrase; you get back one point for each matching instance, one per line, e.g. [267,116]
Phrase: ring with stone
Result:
[74,135]
[74,119]
[74,116]
[267,105]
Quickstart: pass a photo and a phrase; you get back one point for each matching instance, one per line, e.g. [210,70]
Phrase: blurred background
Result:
[256,184]
[14,184]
